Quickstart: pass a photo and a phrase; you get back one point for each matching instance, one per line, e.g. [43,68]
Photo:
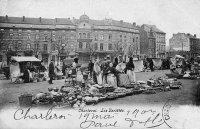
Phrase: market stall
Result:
[138,65]
[18,67]
[157,63]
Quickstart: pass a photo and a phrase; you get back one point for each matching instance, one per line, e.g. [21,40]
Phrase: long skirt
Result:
[131,75]
[123,80]
[112,80]
[99,79]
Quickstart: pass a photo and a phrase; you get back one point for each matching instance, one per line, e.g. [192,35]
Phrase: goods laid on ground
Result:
[78,96]
[191,75]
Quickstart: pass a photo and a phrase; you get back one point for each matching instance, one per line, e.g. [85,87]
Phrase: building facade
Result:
[59,38]
[147,35]
[184,44]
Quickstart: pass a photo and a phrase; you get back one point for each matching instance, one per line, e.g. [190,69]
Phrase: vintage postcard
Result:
[99,64]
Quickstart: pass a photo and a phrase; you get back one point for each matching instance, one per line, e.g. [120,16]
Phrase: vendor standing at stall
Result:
[51,72]
[98,73]
[26,75]
[130,70]
[112,71]
[115,62]
[90,67]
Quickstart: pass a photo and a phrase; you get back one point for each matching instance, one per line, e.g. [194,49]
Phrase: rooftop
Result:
[65,21]
[154,28]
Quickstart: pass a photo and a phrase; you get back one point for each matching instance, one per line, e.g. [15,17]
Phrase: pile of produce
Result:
[78,97]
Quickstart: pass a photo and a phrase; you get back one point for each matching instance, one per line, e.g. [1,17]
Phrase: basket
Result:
[59,77]
[39,79]
[25,100]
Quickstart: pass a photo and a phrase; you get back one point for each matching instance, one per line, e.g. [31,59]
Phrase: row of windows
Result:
[28,46]
[110,47]
[54,37]
[44,37]
[160,47]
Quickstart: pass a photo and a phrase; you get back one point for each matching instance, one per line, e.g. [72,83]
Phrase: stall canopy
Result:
[138,65]
[25,58]
[157,63]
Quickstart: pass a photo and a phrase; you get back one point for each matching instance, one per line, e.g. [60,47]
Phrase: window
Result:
[72,37]
[11,36]
[96,46]
[110,37]
[53,47]
[80,45]
[109,46]
[53,37]
[125,38]
[136,39]
[133,40]
[10,46]
[29,36]
[45,47]
[45,37]
[37,36]
[87,45]
[36,46]
[80,35]
[19,35]
[101,47]
[84,35]
[63,37]
[96,37]
[28,46]
[19,46]
[120,38]
[101,37]
[88,35]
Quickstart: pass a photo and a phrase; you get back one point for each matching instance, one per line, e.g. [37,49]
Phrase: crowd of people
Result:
[107,72]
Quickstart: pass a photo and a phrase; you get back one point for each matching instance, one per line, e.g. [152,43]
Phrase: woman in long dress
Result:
[97,70]
[130,70]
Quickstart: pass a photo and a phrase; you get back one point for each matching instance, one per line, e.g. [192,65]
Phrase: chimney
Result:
[23,18]
[40,19]
[134,24]
[195,35]
[6,17]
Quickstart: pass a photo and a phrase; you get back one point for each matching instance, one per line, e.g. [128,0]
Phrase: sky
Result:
[170,16]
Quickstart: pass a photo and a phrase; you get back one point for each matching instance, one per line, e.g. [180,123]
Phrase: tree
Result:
[91,49]
[118,49]
[130,50]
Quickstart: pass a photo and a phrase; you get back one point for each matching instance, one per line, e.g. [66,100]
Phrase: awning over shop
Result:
[25,58]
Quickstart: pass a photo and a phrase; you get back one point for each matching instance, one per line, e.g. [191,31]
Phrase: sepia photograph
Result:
[99,64]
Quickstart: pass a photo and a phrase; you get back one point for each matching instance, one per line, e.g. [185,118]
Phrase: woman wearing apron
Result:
[98,72]
[130,70]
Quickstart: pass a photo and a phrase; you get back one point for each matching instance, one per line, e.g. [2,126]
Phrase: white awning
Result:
[179,56]
[25,58]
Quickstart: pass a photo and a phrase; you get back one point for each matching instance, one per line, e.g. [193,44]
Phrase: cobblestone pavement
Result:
[10,92]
